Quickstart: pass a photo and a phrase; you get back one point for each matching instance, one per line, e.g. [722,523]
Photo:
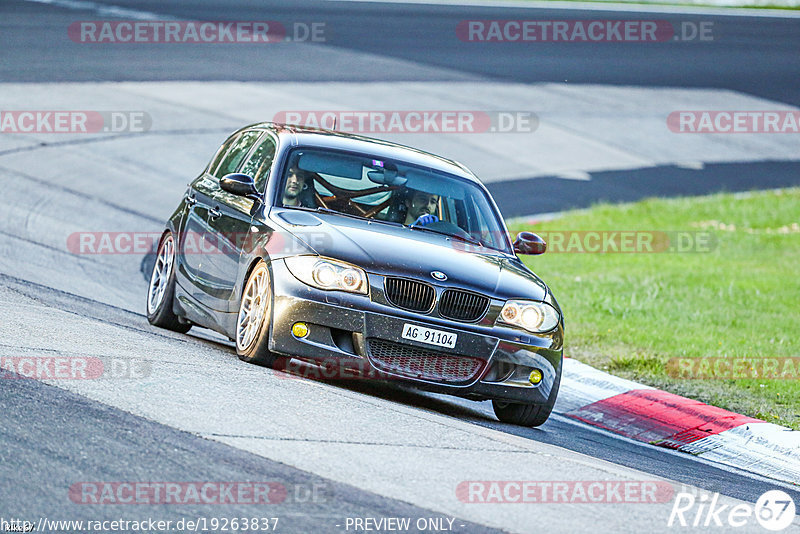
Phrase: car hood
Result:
[397,250]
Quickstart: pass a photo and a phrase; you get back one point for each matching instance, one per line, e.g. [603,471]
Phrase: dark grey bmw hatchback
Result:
[366,255]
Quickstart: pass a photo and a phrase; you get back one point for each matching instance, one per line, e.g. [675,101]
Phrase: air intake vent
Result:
[409,295]
[462,305]
[416,362]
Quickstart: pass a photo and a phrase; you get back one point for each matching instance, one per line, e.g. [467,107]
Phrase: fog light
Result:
[536,377]
[301,330]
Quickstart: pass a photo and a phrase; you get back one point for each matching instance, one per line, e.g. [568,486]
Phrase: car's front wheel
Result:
[161,290]
[526,414]
[252,323]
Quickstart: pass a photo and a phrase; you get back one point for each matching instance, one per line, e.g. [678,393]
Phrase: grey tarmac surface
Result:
[52,439]
[369,42]
[384,42]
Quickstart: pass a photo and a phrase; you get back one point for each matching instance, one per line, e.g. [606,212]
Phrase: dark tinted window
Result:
[391,190]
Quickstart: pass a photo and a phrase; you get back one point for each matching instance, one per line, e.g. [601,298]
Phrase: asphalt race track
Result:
[753,54]
[183,408]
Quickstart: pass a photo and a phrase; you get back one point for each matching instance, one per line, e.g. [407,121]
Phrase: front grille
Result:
[409,295]
[425,364]
[462,305]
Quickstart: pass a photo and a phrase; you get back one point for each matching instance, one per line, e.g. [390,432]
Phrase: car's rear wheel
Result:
[526,414]
[252,323]
[161,290]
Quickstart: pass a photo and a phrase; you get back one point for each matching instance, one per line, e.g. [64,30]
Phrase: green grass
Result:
[630,313]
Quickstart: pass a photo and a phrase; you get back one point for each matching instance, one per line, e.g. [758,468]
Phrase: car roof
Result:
[316,137]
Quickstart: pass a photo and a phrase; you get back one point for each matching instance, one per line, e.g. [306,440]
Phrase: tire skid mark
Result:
[114,137]
[81,194]
[85,310]
[370,443]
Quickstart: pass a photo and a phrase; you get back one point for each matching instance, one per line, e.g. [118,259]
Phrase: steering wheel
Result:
[342,199]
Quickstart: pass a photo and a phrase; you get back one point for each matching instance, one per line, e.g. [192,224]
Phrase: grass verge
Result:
[631,313]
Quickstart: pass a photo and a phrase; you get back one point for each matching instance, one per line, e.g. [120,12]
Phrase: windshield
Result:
[391,191]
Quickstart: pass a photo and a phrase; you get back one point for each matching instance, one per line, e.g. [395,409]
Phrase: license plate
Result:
[429,336]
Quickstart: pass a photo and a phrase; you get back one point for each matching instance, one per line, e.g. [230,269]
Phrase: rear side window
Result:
[236,153]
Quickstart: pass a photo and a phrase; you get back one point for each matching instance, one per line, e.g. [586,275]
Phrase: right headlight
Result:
[329,274]
[536,317]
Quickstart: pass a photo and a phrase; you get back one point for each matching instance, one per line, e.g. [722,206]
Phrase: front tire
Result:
[526,414]
[253,321]
[161,289]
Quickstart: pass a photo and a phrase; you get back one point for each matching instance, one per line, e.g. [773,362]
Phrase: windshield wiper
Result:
[353,216]
[470,240]
[334,212]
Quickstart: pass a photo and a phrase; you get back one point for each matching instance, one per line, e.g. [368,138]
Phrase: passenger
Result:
[420,208]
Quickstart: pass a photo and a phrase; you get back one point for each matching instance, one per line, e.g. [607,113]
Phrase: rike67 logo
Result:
[774,510]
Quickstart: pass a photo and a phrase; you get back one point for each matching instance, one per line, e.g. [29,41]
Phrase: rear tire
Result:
[161,289]
[526,414]
[253,320]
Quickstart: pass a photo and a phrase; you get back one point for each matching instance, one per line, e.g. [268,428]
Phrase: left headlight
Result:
[329,274]
[537,317]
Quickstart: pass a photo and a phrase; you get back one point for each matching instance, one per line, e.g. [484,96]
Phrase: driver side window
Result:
[234,156]
[221,151]
[260,161]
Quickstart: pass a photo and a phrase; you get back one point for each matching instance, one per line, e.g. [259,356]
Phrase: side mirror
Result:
[238,184]
[529,243]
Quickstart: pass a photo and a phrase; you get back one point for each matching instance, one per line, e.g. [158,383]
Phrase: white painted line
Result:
[574,175]
[104,10]
[764,448]
[672,452]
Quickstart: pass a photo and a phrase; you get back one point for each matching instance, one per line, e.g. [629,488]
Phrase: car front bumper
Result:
[353,336]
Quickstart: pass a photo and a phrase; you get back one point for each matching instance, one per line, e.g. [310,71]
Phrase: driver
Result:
[295,192]
[420,208]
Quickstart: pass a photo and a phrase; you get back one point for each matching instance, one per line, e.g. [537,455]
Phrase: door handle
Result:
[215,213]
[191,200]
